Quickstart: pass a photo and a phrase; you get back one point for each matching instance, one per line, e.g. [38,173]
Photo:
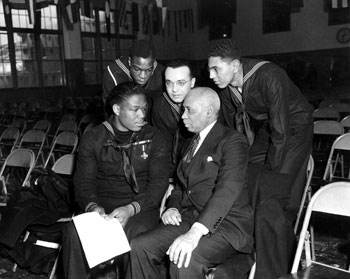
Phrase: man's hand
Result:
[100,210]
[183,246]
[171,217]
[122,214]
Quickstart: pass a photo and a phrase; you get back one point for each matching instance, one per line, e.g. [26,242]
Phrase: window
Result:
[37,53]
[102,41]
[26,64]
[5,65]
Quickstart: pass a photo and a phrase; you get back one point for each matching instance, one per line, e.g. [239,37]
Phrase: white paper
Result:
[101,239]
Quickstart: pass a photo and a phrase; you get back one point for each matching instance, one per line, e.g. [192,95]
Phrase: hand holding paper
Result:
[102,239]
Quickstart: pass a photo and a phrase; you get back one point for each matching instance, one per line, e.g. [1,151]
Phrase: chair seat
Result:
[316,271]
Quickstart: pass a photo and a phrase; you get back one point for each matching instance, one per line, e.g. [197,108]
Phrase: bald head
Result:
[202,107]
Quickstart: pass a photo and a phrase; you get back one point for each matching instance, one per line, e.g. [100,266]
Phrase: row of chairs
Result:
[330,114]
[37,140]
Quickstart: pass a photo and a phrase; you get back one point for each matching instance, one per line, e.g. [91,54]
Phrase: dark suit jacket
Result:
[215,183]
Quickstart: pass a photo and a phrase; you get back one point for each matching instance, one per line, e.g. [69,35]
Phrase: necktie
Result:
[124,148]
[242,123]
[192,148]
[128,168]
[241,116]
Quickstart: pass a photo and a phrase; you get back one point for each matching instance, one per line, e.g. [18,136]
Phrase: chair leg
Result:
[252,271]
[54,267]
[14,267]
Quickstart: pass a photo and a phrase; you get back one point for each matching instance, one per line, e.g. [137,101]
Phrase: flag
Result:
[70,11]
[108,19]
[121,11]
[163,4]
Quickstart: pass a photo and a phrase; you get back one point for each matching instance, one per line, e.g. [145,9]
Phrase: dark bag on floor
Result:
[36,208]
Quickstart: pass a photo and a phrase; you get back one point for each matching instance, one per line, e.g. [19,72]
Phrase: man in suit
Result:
[208,218]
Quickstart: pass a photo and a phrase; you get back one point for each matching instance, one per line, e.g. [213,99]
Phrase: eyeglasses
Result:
[179,83]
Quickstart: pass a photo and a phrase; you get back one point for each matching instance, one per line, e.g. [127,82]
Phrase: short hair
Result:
[142,48]
[124,91]
[177,63]
[224,48]
[209,95]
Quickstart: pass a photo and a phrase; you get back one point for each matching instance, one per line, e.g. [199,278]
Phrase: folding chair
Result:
[339,148]
[345,122]
[20,158]
[326,114]
[325,132]
[331,199]
[342,108]
[84,121]
[65,166]
[8,140]
[65,143]
[307,190]
[45,126]
[68,117]
[66,125]
[34,140]
[21,124]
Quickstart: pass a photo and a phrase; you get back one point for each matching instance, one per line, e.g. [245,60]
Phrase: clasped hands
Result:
[180,251]
[122,213]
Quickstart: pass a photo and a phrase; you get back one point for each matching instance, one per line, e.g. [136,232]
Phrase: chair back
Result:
[84,121]
[325,114]
[8,140]
[23,158]
[328,127]
[66,125]
[345,122]
[21,124]
[43,125]
[65,164]
[341,143]
[65,142]
[34,140]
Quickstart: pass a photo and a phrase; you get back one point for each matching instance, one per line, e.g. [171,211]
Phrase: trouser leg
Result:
[210,252]
[148,250]
[74,262]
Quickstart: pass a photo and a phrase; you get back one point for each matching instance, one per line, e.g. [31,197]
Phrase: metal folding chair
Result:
[332,199]
[20,158]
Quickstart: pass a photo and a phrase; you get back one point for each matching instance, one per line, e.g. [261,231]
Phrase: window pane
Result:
[90,72]
[5,66]
[90,62]
[103,24]
[26,65]
[88,46]
[52,66]
[2,17]
[53,75]
[87,24]
[49,18]
[125,46]
[20,19]
[108,49]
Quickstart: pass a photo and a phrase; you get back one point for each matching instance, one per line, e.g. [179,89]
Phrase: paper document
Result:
[101,239]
